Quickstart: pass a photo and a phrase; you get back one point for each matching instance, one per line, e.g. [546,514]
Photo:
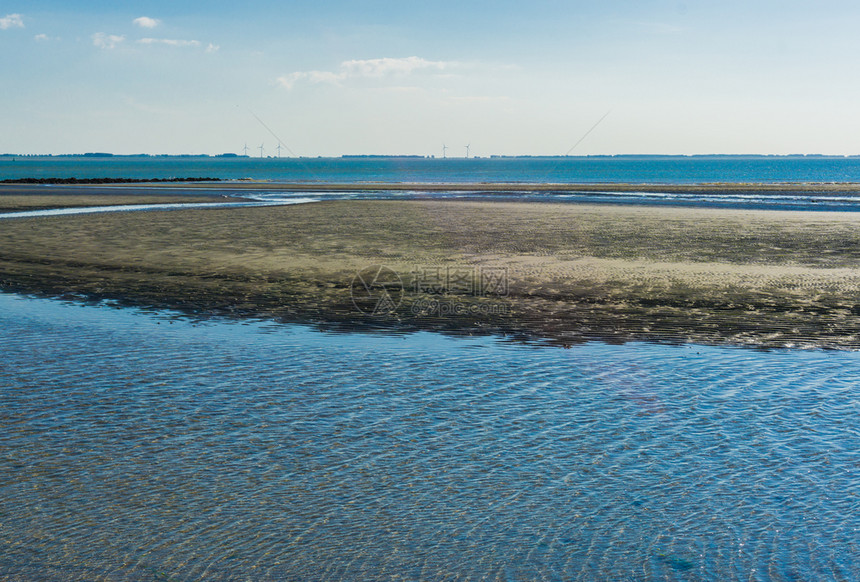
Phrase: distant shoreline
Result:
[717,187]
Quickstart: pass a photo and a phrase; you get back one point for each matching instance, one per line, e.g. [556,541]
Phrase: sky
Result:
[332,77]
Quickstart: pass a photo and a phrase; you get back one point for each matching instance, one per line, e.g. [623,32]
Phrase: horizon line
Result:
[421,156]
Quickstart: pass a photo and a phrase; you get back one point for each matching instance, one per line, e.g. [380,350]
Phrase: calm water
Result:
[281,201]
[136,446]
[525,170]
[645,169]
[648,170]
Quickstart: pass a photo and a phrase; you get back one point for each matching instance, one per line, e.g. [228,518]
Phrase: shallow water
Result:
[141,446]
[150,207]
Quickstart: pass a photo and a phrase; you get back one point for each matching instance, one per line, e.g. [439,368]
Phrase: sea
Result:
[608,170]
[143,444]
[563,170]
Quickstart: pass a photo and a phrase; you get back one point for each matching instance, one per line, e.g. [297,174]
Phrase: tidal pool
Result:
[146,446]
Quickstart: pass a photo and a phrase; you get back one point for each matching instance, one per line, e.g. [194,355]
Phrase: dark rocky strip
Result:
[102,180]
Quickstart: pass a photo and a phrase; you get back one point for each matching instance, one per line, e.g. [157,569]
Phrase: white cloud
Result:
[389,66]
[41,37]
[367,68]
[212,48]
[11,21]
[106,41]
[170,42]
[314,77]
[146,22]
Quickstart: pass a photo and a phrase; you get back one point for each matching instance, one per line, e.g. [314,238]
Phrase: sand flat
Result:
[835,188]
[16,197]
[573,272]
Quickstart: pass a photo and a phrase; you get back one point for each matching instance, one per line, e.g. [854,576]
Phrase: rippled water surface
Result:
[134,446]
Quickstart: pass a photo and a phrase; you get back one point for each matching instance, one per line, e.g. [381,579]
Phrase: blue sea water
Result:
[632,169]
[144,446]
[573,170]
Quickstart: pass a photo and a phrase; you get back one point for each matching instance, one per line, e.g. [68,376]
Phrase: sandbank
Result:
[572,272]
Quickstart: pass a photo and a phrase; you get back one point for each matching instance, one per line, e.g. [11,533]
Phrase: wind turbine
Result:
[245,149]
[261,150]
[467,150]
[279,149]
[444,151]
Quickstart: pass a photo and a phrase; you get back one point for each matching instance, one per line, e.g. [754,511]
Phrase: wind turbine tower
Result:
[444,151]
[279,149]
[245,149]
[467,150]
[261,150]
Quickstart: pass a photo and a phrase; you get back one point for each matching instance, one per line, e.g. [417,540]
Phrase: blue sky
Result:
[332,77]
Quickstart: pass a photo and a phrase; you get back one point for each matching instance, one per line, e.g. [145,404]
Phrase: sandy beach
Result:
[563,273]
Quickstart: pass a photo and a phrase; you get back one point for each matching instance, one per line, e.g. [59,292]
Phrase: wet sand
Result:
[14,197]
[564,273]
[799,188]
